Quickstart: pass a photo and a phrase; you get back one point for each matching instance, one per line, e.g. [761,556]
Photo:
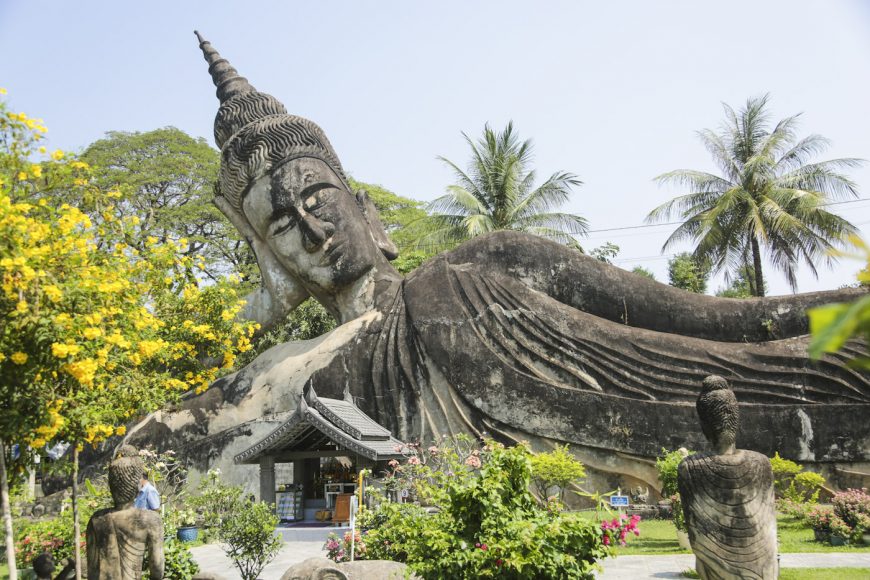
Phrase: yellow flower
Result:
[22,176]
[21,307]
[83,370]
[80,181]
[121,430]
[38,443]
[93,319]
[42,148]
[149,348]
[57,154]
[2,91]
[18,358]
[2,357]
[92,332]
[53,292]
[36,170]
[59,350]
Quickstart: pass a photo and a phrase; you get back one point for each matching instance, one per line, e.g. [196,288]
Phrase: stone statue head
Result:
[281,174]
[718,413]
[43,566]
[125,472]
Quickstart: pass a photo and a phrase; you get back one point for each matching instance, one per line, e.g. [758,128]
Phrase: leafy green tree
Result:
[398,214]
[685,272]
[557,468]
[645,272]
[770,197]
[740,285]
[605,253]
[497,192]
[166,178]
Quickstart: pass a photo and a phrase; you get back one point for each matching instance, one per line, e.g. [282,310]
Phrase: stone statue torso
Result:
[729,506]
[117,541]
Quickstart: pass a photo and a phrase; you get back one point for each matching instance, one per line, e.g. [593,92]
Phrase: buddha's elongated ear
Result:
[376,227]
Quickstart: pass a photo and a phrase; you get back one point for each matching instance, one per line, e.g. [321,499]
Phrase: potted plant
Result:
[186,521]
[680,522]
[840,531]
[819,519]
[667,465]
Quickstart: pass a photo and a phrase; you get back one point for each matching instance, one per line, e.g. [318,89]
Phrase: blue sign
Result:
[618,501]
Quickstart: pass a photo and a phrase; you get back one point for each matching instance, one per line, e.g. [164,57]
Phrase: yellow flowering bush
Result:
[94,332]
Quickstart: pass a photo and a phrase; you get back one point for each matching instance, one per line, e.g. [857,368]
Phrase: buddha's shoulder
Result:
[742,459]
[495,252]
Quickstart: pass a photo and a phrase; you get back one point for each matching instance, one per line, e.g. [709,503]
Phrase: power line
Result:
[637,227]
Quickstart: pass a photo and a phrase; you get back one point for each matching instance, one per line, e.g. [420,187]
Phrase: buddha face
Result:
[312,224]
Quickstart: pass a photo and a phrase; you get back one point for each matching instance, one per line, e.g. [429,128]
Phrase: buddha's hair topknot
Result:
[255,133]
[125,472]
[717,410]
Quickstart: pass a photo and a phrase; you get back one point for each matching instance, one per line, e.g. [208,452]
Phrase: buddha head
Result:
[125,472]
[719,414]
[280,173]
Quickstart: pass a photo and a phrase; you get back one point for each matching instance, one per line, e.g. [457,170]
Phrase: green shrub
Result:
[249,537]
[179,562]
[215,500]
[667,464]
[804,488]
[784,471]
[489,525]
[557,468]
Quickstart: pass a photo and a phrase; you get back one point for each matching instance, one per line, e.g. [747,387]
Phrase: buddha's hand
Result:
[284,292]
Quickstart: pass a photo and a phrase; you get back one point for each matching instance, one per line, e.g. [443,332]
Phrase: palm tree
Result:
[497,192]
[770,198]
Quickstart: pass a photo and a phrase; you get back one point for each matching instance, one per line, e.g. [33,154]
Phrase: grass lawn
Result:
[817,573]
[659,537]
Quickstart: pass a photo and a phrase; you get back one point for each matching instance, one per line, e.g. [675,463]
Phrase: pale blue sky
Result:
[612,91]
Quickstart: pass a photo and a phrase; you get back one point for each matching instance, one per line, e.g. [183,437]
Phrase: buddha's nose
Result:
[314,231]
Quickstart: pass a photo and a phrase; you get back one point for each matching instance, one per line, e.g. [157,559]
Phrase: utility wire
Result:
[638,227]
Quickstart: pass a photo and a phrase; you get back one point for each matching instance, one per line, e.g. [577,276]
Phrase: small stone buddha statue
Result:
[727,495]
[119,537]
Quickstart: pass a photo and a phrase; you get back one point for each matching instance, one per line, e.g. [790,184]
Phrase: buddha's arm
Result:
[616,294]
[155,553]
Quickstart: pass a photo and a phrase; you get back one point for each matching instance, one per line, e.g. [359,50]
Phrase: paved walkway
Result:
[212,559]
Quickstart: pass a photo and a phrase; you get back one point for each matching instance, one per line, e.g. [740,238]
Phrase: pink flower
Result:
[499,562]
[398,448]
[433,450]
[473,461]
[393,463]
[606,540]
[414,460]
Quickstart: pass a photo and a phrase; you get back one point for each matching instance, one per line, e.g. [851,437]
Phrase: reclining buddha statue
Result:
[508,334]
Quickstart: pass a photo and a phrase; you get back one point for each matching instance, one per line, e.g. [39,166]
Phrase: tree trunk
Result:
[77,531]
[756,265]
[7,514]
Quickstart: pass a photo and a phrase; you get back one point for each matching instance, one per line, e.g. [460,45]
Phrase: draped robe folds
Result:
[729,506]
[463,348]
[523,339]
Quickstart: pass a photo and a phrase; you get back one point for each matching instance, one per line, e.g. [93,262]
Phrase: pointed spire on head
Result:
[225,77]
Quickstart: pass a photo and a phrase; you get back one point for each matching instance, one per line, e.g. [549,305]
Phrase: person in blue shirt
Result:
[149,497]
